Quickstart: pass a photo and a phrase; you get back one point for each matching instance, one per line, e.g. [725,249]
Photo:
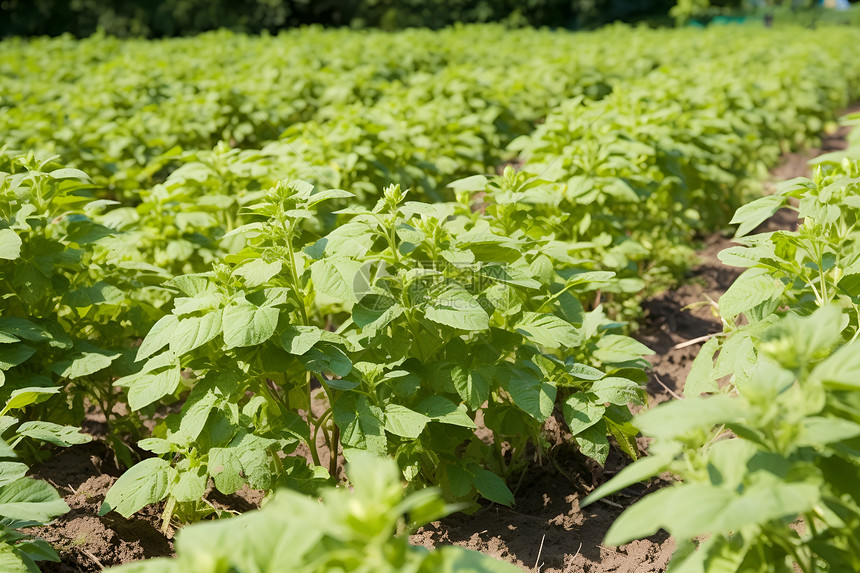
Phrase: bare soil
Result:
[546,531]
[85,541]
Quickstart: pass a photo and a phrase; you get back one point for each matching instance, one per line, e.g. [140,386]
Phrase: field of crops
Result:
[259,268]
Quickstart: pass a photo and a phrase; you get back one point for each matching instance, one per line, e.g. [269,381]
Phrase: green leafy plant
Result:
[769,473]
[645,169]
[364,527]
[24,503]
[267,330]
[769,461]
[787,271]
[443,316]
[67,307]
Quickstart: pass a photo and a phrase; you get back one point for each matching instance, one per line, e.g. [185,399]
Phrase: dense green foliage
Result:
[423,109]
[363,529]
[24,502]
[328,255]
[777,442]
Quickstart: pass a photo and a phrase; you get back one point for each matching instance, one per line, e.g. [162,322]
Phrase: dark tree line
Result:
[159,18]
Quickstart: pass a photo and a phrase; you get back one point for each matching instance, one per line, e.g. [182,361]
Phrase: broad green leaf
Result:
[195,413]
[458,309]
[193,285]
[531,394]
[841,369]
[615,348]
[5,450]
[300,339]
[148,387]
[737,357]
[441,409]
[24,397]
[245,459]
[361,424]
[281,537]
[752,288]
[328,195]
[29,499]
[31,284]
[155,445]
[640,470]
[491,486]
[403,422]
[375,311]
[581,413]
[12,471]
[63,436]
[23,329]
[258,272]
[695,509]
[193,332]
[37,550]
[12,355]
[819,431]
[69,173]
[507,274]
[680,509]
[701,378]
[751,215]
[98,293]
[336,277]
[583,371]
[469,184]
[673,419]
[472,386]
[191,485]
[326,358]
[616,390]
[141,485]
[10,244]
[350,240]
[459,480]
[158,337]
[86,361]
[12,561]
[206,302]
[548,330]
[593,443]
[244,324]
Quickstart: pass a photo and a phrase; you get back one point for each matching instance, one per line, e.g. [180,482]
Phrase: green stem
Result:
[279,465]
[167,515]
[792,551]
[820,256]
[810,522]
[316,428]
[300,300]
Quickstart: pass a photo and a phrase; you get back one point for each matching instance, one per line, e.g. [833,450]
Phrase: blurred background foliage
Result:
[160,18]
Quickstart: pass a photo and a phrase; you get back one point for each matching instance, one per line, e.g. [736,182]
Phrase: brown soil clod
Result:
[85,541]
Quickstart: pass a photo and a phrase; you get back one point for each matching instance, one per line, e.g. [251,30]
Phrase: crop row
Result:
[287,322]
[767,441]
